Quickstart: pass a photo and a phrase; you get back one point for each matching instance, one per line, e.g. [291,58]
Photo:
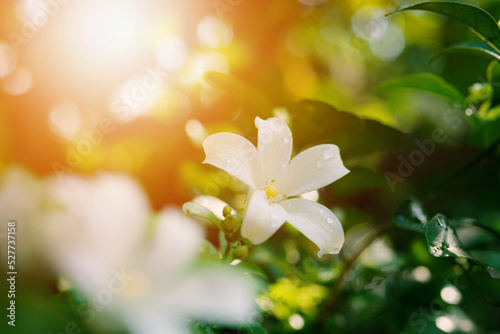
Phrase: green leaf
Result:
[238,90]
[493,74]
[252,269]
[481,47]
[410,215]
[201,328]
[426,82]
[478,20]
[484,132]
[490,260]
[195,209]
[442,239]
[317,122]
[256,329]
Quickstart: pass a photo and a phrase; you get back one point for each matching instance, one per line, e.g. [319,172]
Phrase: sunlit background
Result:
[67,65]
[126,86]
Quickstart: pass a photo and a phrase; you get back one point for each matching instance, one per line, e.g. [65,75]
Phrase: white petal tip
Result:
[257,121]
[330,251]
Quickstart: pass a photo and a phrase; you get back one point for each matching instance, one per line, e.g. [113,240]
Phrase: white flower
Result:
[274,179]
[98,234]
[20,197]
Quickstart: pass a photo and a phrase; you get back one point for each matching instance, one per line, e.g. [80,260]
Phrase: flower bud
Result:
[241,252]
[229,224]
[226,211]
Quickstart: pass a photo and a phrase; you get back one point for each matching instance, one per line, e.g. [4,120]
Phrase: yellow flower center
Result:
[272,191]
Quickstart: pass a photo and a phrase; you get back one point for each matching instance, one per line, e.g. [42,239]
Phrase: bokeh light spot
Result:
[65,118]
[214,33]
[196,131]
[369,23]
[445,324]
[171,53]
[451,295]
[18,82]
[296,321]
[8,60]
[390,45]
[421,274]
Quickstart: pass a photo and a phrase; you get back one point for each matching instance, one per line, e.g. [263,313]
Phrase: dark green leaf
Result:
[256,329]
[442,239]
[427,82]
[477,19]
[195,209]
[410,215]
[493,74]
[316,122]
[491,261]
[484,132]
[238,90]
[201,328]
[474,47]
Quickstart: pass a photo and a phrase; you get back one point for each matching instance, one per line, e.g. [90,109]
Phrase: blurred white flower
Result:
[100,244]
[273,179]
[21,195]
[101,235]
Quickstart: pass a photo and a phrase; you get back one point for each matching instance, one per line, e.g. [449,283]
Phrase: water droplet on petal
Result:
[320,163]
[321,211]
[330,221]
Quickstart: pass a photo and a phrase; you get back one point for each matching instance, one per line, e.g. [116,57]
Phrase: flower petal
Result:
[274,146]
[175,244]
[317,223]
[312,169]
[150,320]
[261,219]
[90,226]
[216,294]
[233,154]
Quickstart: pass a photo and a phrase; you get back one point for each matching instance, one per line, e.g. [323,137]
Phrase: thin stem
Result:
[227,251]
